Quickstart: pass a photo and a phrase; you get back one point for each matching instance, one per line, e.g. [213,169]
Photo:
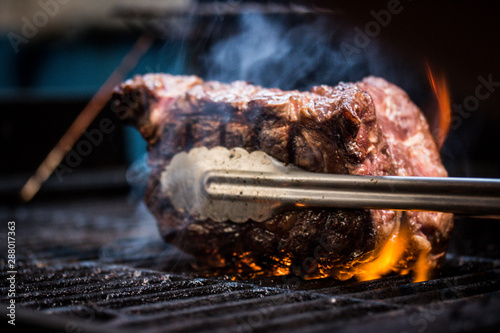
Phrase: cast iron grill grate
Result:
[114,297]
[94,270]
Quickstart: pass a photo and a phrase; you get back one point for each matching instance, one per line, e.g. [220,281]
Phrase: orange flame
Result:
[394,257]
[441,91]
[387,260]
[422,267]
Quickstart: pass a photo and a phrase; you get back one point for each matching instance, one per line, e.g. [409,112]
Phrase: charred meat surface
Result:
[365,128]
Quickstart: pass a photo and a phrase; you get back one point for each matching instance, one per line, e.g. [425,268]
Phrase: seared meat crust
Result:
[365,128]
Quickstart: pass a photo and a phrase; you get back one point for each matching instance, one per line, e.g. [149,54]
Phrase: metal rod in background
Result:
[85,118]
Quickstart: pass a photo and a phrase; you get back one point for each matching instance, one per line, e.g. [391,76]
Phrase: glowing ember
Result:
[247,260]
[441,91]
[394,256]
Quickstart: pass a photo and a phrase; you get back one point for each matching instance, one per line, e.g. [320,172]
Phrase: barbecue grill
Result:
[89,256]
[94,275]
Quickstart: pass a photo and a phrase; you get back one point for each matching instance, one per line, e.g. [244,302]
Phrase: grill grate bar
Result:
[340,315]
[467,281]
[81,285]
[172,295]
[446,294]
[199,301]
[164,303]
[460,315]
[40,272]
[222,309]
[104,292]
[270,317]
[91,282]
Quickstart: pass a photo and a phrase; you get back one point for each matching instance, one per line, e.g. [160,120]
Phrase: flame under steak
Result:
[365,128]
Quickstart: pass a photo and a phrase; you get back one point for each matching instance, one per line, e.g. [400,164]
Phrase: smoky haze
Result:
[299,53]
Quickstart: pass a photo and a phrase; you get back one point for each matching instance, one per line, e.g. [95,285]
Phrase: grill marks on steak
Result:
[143,101]
[367,128]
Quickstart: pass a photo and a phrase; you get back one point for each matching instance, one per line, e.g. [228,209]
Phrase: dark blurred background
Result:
[55,54]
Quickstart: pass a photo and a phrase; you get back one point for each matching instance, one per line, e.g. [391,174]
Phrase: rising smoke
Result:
[300,52]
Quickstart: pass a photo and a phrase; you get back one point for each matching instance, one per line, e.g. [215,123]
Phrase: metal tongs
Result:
[235,185]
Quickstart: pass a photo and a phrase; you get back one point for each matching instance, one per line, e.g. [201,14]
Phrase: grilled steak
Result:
[365,128]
